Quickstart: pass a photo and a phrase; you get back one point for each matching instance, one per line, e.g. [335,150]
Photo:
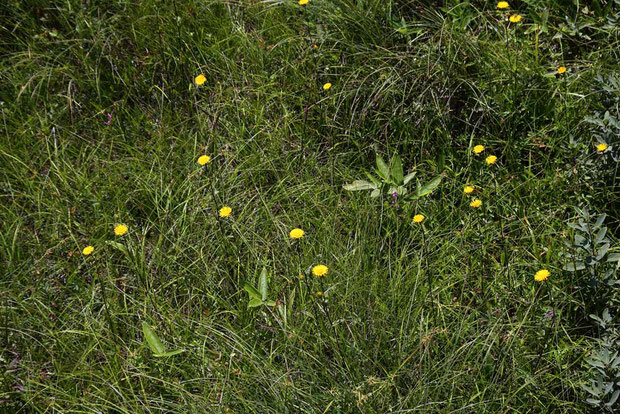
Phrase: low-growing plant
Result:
[258,297]
[155,344]
[604,365]
[589,254]
[392,180]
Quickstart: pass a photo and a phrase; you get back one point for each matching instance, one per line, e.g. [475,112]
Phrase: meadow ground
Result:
[452,165]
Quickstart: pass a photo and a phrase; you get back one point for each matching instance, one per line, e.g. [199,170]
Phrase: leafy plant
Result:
[258,297]
[155,344]
[604,363]
[589,250]
[391,180]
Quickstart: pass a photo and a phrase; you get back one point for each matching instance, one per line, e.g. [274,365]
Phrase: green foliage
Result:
[155,344]
[590,252]
[391,180]
[102,124]
[603,386]
[258,297]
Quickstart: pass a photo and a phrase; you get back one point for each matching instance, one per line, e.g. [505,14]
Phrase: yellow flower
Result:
[120,229]
[200,79]
[315,46]
[478,149]
[502,5]
[468,189]
[225,211]
[491,159]
[541,275]
[303,2]
[515,18]
[475,203]
[204,159]
[319,293]
[561,69]
[87,250]
[601,147]
[301,276]
[327,86]
[297,233]
[319,270]
[418,218]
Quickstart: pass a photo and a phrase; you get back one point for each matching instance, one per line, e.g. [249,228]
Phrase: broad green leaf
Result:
[270,303]
[382,168]
[600,235]
[429,187]
[170,353]
[263,284]
[152,339]
[613,257]
[580,240]
[409,177]
[602,250]
[572,267]
[375,193]
[254,302]
[577,226]
[397,169]
[613,399]
[255,294]
[373,179]
[600,220]
[359,185]
[118,246]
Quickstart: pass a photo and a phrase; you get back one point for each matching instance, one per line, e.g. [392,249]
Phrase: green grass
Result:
[439,317]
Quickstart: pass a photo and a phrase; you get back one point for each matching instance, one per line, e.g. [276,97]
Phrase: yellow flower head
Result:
[541,275]
[491,159]
[297,233]
[87,250]
[319,293]
[200,79]
[303,2]
[315,46]
[502,5]
[468,189]
[478,149]
[601,147]
[120,229]
[475,203]
[319,270]
[301,276]
[561,69]
[204,160]
[515,18]
[418,218]
[327,86]
[225,211]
